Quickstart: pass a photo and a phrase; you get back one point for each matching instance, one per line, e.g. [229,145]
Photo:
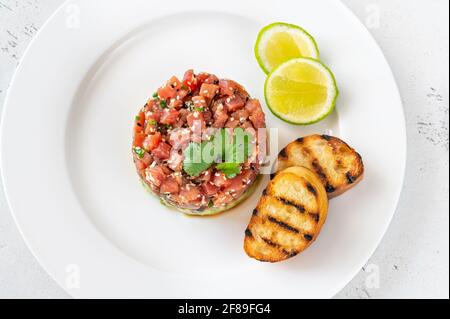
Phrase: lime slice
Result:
[301,91]
[280,42]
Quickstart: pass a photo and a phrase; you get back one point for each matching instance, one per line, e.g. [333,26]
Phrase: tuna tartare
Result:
[187,115]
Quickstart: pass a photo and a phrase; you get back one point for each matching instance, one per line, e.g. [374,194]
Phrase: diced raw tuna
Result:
[180,138]
[169,117]
[190,193]
[155,175]
[220,117]
[199,102]
[210,189]
[220,180]
[191,111]
[212,79]
[170,186]
[175,161]
[223,199]
[162,152]
[209,91]
[234,103]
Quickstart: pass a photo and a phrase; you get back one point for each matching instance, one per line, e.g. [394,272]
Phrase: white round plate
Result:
[70,180]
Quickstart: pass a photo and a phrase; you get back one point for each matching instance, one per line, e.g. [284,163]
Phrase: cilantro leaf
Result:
[231,170]
[237,150]
[199,157]
[231,150]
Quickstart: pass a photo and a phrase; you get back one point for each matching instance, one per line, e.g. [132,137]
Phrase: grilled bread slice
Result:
[338,165]
[289,216]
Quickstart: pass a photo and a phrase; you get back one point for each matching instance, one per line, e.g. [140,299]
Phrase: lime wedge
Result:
[301,91]
[280,42]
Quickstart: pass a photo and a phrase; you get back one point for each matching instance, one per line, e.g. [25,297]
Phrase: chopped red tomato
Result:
[167,92]
[175,83]
[152,141]
[139,139]
[190,80]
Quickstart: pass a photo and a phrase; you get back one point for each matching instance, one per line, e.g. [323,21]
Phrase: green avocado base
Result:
[210,211]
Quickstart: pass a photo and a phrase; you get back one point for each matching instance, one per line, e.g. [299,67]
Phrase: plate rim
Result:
[36,38]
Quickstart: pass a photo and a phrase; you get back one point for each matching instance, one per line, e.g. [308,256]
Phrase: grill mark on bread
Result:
[311,189]
[276,246]
[316,217]
[318,169]
[248,233]
[350,178]
[308,237]
[287,202]
[255,212]
[283,154]
[323,176]
[300,140]
[283,225]
[327,137]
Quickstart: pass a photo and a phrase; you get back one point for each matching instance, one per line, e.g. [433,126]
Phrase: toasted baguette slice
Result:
[338,165]
[289,216]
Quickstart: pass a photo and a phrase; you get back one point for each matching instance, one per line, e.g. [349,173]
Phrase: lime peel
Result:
[279,42]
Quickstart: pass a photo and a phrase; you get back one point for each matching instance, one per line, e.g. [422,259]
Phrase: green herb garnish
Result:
[195,162]
[139,152]
[155,95]
[231,151]
[231,170]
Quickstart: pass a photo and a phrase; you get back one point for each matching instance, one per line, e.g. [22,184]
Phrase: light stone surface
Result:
[413,259]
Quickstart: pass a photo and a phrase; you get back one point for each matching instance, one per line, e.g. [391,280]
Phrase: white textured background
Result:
[413,259]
